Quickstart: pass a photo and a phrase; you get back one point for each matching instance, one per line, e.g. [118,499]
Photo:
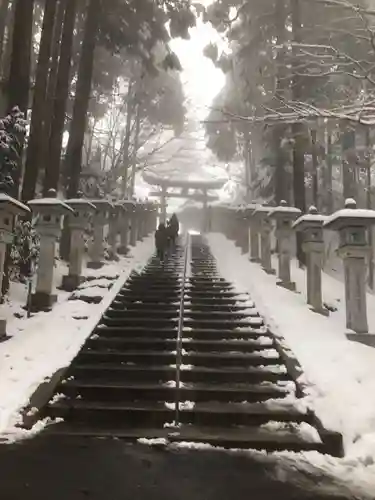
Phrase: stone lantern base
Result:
[269,270]
[363,338]
[322,311]
[71,281]
[95,265]
[288,285]
[3,328]
[41,301]
[122,250]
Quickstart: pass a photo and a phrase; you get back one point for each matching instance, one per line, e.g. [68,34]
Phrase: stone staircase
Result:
[185,360]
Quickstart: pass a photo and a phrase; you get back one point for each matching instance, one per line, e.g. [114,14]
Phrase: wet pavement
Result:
[73,468]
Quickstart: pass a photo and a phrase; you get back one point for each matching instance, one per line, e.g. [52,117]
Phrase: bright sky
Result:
[201,79]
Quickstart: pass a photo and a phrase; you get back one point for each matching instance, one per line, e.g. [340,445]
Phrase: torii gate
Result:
[193,190]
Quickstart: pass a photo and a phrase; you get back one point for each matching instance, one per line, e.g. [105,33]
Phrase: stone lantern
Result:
[352,224]
[240,227]
[260,217]
[311,226]
[284,217]
[124,223]
[100,220]
[49,212]
[83,209]
[114,229]
[134,216]
[9,209]
[253,232]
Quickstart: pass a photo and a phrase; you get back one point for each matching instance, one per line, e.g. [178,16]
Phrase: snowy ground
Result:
[46,342]
[339,375]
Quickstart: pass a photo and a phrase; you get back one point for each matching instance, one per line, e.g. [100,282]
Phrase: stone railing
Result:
[116,219]
[252,227]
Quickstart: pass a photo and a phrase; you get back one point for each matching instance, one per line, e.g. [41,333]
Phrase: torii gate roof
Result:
[165,182]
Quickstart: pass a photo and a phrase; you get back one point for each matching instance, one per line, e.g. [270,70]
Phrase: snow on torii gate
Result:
[196,190]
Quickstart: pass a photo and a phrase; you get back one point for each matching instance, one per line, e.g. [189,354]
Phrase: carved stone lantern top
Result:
[350,216]
[310,220]
[50,205]
[80,204]
[12,206]
[261,212]
[284,212]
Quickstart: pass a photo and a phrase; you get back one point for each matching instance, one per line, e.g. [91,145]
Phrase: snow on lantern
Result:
[284,217]
[311,226]
[100,220]
[9,209]
[49,212]
[83,210]
[352,224]
[265,229]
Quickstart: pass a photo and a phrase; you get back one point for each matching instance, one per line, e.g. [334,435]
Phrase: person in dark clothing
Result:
[173,229]
[161,241]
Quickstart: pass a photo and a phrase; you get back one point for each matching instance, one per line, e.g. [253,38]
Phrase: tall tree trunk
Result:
[73,159]
[51,83]
[82,97]
[281,190]
[314,171]
[298,129]
[135,149]
[349,160]
[36,137]
[329,169]
[52,166]
[3,22]
[19,78]
[18,85]
[6,58]
[128,127]
[368,166]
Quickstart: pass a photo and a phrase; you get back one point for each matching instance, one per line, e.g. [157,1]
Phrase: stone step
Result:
[112,372]
[162,344]
[146,413]
[154,391]
[197,359]
[171,332]
[237,438]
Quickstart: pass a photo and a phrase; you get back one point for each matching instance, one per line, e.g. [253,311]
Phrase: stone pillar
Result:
[252,232]
[265,228]
[101,218]
[9,208]
[124,223]
[284,217]
[113,230]
[163,205]
[83,209]
[352,225]
[311,225]
[133,237]
[50,212]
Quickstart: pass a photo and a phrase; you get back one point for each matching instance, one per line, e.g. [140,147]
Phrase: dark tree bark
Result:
[281,190]
[314,172]
[19,78]
[73,159]
[52,167]
[3,22]
[51,84]
[349,162]
[36,137]
[329,170]
[82,98]
[298,131]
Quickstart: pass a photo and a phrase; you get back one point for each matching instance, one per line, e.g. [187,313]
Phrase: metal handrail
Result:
[179,335]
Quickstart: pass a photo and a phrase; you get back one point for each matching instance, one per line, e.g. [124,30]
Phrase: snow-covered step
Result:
[157,344]
[146,413]
[126,390]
